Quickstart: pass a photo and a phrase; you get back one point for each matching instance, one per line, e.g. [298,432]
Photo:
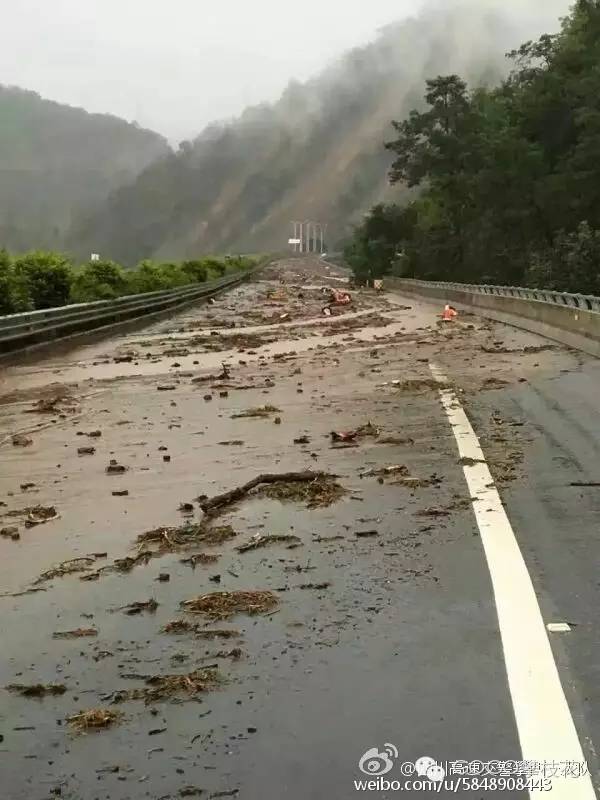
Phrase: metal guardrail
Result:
[19,331]
[581,301]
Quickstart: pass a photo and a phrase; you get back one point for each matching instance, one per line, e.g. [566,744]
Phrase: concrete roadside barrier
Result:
[571,319]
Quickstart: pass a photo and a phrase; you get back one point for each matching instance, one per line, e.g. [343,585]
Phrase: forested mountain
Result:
[508,178]
[317,153]
[56,161]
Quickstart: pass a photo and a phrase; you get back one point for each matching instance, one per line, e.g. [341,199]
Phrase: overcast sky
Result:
[174,65]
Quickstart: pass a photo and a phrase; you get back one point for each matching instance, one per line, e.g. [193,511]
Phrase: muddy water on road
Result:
[353,583]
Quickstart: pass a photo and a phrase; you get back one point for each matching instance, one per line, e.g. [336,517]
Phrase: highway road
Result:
[432,595]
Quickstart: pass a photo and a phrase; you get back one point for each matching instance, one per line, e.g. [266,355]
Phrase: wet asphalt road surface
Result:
[390,637]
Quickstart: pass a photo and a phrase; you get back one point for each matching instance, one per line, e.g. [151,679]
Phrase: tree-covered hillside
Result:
[315,154]
[57,161]
[508,177]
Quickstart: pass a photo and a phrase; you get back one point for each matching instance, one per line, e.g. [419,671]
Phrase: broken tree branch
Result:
[227,498]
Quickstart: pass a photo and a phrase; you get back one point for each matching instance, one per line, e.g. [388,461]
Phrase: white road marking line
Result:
[544,722]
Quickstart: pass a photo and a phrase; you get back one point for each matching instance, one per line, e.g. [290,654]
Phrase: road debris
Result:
[72,565]
[493,383]
[56,396]
[368,429]
[417,483]
[317,489]
[258,412]
[264,540]
[39,515]
[77,633]
[94,719]
[37,689]
[222,605]
[200,558]
[138,607]
[399,440]
[183,626]
[235,654]
[20,440]
[317,586]
[419,385]
[396,469]
[114,468]
[163,687]
[466,461]
[10,532]
[168,540]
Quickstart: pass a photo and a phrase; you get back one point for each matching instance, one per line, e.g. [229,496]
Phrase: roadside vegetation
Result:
[46,279]
[507,179]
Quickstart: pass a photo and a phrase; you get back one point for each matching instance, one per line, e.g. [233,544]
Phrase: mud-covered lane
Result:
[382,625]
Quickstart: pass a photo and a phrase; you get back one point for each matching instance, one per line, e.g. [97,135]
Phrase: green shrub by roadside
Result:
[40,279]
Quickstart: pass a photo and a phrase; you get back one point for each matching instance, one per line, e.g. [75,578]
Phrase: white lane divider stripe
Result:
[544,722]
